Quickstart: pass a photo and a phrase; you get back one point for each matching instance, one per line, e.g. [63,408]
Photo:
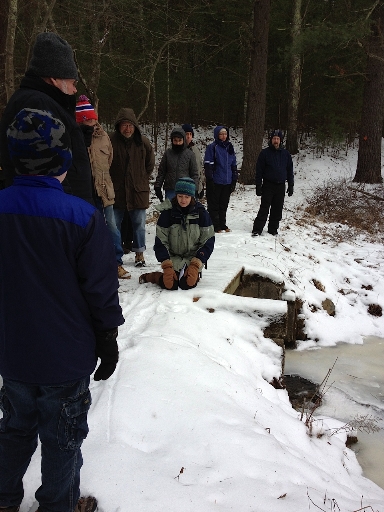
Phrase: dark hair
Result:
[175,202]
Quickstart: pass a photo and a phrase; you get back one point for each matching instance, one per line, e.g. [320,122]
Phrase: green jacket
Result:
[183,236]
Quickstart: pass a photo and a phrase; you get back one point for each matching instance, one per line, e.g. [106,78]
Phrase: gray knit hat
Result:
[52,57]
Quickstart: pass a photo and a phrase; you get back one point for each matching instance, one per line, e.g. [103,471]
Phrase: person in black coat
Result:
[274,167]
[50,84]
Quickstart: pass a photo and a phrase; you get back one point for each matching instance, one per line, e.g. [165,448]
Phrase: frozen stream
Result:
[357,388]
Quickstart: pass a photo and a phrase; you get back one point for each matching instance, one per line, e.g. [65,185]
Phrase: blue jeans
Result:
[58,415]
[109,216]
[138,226]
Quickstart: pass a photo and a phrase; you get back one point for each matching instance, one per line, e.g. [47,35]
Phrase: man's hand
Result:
[169,275]
[290,190]
[259,189]
[159,194]
[192,271]
[108,351]
[233,186]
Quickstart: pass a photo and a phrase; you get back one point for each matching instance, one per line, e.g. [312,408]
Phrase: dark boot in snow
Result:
[87,504]
[151,277]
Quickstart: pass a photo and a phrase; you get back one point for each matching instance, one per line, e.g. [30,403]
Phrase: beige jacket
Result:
[101,155]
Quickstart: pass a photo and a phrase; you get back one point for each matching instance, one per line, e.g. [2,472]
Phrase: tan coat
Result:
[132,165]
[101,155]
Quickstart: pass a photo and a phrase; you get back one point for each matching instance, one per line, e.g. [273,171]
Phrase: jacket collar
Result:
[66,101]
[38,181]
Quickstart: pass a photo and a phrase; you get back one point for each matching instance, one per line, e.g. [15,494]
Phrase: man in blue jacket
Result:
[274,167]
[59,311]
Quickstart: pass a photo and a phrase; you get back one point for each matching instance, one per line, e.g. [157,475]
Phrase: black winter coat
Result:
[35,93]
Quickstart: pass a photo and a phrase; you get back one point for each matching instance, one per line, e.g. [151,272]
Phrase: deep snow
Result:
[189,420]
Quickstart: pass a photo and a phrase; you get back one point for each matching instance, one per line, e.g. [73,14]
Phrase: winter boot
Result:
[122,273]
[152,277]
[87,504]
[139,260]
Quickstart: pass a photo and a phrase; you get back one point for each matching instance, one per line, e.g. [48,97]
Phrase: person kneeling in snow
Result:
[184,239]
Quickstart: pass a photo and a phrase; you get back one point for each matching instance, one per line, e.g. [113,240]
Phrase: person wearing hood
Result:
[274,168]
[132,165]
[221,176]
[100,156]
[189,134]
[177,162]
[50,84]
[184,239]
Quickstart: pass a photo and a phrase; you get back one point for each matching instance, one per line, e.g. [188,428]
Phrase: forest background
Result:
[309,67]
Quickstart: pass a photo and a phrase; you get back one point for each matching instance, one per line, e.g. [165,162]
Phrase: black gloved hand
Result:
[233,186]
[159,194]
[107,350]
[87,133]
[259,189]
[290,190]
[201,194]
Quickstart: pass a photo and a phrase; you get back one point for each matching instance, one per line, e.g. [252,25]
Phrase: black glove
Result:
[159,194]
[201,194]
[107,350]
[259,189]
[233,186]
[290,190]
[87,133]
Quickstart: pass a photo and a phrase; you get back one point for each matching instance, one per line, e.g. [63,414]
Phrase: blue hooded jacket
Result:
[58,282]
[220,160]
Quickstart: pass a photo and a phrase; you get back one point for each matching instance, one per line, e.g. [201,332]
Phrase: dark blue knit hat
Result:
[276,133]
[185,186]
[38,144]
[188,128]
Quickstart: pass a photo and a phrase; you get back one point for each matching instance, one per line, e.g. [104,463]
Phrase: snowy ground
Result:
[189,420]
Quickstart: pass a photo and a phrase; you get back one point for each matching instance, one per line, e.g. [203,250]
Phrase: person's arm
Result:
[193,172]
[206,240]
[161,247]
[161,172]
[149,156]
[97,275]
[209,162]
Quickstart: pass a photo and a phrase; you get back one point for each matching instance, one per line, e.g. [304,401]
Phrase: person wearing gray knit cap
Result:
[50,84]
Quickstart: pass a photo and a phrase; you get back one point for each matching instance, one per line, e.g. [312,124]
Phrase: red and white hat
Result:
[84,110]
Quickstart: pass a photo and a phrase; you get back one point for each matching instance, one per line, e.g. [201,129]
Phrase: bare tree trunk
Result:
[40,26]
[295,80]
[3,39]
[10,48]
[155,125]
[369,157]
[256,98]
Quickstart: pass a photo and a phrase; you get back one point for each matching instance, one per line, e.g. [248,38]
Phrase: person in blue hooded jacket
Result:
[274,167]
[220,168]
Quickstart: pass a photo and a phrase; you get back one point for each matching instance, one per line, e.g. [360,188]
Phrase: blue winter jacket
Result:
[220,160]
[274,165]
[58,282]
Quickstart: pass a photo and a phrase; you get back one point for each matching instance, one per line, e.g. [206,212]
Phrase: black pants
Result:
[218,199]
[272,201]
